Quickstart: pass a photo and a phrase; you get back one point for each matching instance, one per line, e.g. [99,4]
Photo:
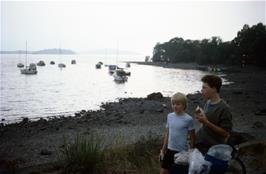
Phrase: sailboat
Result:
[20,65]
[31,69]
[61,65]
[120,76]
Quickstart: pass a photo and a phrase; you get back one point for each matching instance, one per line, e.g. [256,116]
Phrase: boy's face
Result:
[178,107]
[207,91]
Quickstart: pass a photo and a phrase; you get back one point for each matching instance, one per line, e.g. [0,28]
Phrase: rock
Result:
[45,152]
[192,97]
[256,147]
[239,137]
[77,114]
[261,112]
[8,166]
[258,124]
[237,92]
[155,96]
[159,110]
[252,154]
[25,120]
[141,111]
[42,121]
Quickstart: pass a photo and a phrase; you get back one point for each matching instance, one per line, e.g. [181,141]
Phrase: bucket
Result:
[218,166]
[179,169]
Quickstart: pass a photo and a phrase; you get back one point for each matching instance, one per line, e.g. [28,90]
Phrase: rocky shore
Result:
[28,145]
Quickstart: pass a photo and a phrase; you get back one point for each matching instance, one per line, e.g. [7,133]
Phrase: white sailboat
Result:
[61,65]
[20,65]
[113,68]
[31,69]
[120,76]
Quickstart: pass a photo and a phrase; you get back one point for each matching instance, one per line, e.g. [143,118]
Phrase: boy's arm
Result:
[217,129]
[192,137]
[165,140]
[201,117]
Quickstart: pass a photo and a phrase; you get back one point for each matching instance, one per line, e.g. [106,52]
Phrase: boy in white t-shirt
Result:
[178,127]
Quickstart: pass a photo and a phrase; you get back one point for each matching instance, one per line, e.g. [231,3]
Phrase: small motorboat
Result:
[32,69]
[120,76]
[73,61]
[41,63]
[61,65]
[112,68]
[20,65]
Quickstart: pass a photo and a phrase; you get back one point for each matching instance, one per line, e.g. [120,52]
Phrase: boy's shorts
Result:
[168,159]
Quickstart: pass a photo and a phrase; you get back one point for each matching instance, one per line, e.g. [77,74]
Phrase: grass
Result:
[84,155]
[88,154]
[143,155]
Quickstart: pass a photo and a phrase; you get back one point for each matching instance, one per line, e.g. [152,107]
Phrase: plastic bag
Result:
[197,164]
[221,151]
[181,158]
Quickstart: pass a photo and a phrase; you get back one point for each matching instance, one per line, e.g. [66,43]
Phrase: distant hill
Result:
[109,51]
[54,51]
[68,51]
[15,52]
[45,51]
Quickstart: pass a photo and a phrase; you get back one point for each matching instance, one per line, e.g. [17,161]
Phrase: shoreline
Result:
[26,141]
[194,66]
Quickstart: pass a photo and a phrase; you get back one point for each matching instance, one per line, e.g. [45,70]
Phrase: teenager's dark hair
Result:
[213,81]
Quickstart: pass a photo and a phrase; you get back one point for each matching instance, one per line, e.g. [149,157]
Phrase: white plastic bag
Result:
[221,151]
[197,164]
[181,158]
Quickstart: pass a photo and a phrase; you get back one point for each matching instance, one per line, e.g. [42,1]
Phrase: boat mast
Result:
[117,51]
[26,52]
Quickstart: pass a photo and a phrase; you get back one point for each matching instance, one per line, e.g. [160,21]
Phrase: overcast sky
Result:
[127,25]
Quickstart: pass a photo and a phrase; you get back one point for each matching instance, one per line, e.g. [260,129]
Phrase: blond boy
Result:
[178,127]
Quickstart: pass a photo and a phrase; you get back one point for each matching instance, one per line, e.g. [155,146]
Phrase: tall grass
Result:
[141,157]
[84,155]
[87,154]
[143,154]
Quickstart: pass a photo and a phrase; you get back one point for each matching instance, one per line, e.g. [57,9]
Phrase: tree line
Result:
[248,47]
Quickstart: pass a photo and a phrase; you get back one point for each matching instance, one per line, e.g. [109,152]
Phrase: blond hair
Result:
[179,97]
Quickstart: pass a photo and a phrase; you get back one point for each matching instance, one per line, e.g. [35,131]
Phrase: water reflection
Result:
[55,91]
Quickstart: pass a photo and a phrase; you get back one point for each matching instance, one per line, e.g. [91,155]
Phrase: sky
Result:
[125,25]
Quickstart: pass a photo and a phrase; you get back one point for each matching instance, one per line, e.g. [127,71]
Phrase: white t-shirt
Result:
[178,126]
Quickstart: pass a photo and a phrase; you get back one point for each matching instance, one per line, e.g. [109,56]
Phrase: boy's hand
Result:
[162,151]
[161,155]
[201,117]
[198,110]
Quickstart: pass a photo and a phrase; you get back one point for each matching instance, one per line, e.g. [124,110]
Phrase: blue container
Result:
[218,166]
[179,169]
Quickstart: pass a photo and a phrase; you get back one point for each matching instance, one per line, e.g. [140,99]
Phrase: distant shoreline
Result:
[45,51]
[168,65]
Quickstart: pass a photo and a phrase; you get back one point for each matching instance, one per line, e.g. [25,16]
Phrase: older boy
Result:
[216,117]
[179,125]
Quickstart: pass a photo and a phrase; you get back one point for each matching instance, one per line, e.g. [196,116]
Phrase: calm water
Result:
[54,91]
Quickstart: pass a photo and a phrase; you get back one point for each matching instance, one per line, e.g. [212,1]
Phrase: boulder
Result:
[155,96]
